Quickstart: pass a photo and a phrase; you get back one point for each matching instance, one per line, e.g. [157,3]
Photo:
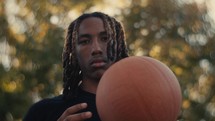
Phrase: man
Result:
[93,43]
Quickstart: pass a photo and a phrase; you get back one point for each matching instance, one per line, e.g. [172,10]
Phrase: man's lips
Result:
[96,63]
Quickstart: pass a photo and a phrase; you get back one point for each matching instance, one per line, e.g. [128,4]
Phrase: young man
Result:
[93,43]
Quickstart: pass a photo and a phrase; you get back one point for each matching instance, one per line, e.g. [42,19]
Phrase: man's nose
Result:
[96,47]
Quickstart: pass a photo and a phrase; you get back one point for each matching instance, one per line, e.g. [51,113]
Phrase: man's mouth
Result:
[98,63]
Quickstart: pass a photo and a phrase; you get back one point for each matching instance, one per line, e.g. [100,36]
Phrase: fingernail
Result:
[88,114]
[83,105]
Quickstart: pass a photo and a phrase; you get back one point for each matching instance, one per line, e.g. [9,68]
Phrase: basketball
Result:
[138,89]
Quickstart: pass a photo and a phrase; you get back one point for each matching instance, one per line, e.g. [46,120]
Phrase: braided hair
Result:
[116,50]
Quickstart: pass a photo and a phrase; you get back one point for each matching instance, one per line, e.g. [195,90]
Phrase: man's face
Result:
[91,48]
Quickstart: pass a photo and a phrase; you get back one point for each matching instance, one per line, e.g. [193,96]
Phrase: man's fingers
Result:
[70,112]
[75,108]
[79,116]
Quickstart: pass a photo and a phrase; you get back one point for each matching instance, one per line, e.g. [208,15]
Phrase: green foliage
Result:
[183,38]
[32,38]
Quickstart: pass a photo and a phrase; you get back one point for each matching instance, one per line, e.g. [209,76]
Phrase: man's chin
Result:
[98,75]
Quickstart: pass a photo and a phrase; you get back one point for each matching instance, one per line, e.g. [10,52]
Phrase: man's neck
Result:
[89,85]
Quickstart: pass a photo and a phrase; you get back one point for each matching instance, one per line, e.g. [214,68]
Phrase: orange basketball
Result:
[138,89]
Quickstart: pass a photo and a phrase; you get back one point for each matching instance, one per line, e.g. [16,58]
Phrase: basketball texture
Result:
[138,89]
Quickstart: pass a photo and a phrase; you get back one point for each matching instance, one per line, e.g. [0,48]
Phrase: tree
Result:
[180,35]
[32,35]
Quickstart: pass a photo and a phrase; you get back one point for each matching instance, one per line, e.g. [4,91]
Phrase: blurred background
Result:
[180,33]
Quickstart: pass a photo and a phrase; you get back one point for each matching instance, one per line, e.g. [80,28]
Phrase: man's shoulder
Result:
[40,109]
[49,102]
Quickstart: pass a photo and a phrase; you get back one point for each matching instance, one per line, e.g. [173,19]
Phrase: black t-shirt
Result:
[51,109]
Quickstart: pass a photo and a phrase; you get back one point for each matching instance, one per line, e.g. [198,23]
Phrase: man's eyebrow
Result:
[89,35]
[84,35]
[103,33]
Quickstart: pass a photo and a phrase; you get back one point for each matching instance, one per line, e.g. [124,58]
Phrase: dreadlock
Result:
[116,50]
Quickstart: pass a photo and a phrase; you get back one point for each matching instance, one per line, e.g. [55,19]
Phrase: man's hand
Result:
[71,115]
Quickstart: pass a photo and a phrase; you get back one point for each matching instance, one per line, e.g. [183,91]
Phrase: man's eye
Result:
[85,41]
[105,39]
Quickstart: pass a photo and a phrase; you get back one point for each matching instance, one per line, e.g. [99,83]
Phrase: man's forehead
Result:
[91,25]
